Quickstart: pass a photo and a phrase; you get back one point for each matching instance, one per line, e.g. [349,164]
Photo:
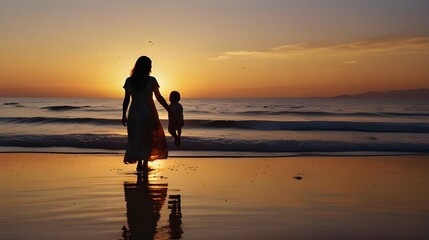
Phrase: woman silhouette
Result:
[146,138]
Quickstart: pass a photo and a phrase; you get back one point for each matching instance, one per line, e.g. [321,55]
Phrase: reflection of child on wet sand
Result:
[175,117]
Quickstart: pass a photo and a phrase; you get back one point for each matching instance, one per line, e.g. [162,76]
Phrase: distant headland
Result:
[421,93]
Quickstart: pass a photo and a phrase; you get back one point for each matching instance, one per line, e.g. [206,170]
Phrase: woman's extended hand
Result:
[124,121]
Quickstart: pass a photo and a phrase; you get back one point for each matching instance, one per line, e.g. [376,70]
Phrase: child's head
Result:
[174,97]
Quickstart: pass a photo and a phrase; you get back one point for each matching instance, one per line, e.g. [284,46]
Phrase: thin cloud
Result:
[367,47]
[65,85]
[349,62]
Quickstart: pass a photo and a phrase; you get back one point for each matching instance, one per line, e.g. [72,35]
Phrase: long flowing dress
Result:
[146,138]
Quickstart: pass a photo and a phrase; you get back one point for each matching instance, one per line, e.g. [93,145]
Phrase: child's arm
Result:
[181,116]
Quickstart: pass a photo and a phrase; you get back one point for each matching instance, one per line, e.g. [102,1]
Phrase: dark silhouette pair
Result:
[144,202]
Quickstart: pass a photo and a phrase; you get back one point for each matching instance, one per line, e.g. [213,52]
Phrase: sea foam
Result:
[118,142]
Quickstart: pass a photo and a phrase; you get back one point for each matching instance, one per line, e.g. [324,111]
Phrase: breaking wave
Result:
[118,142]
[247,124]
[64,108]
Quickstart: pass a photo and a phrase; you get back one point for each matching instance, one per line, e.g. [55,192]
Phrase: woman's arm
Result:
[125,107]
[161,99]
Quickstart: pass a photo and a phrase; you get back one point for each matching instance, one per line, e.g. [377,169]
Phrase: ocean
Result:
[224,127]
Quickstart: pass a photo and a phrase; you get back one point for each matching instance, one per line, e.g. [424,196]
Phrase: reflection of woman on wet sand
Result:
[146,138]
[144,202]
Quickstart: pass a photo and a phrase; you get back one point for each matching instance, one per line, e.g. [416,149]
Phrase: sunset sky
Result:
[206,48]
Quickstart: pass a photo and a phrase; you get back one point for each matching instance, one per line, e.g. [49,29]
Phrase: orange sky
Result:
[214,48]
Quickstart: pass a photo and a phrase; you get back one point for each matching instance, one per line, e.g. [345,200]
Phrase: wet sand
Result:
[72,196]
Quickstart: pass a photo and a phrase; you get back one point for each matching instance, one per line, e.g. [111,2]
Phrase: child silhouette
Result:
[175,117]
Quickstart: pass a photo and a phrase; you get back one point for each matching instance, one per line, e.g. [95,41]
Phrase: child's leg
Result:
[179,133]
[173,133]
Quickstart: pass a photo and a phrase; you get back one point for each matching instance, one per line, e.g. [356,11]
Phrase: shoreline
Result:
[208,154]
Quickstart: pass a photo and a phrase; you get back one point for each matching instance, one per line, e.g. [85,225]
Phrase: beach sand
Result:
[77,196]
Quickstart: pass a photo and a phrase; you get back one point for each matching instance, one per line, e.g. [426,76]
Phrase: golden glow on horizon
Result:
[89,52]
[286,71]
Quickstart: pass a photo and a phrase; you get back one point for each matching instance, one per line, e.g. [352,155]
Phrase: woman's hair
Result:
[174,96]
[142,67]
